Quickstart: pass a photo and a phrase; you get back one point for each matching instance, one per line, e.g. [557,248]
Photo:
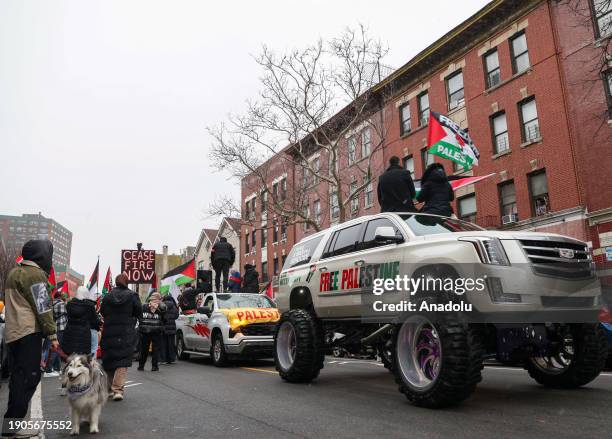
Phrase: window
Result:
[334,208]
[264,201]
[507,196]
[529,119]
[254,240]
[306,216]
[423,108]
[500,133]
[352,150]
[264,271]
[369,195]
[426,158]
[317,211]
[253,206]
[355,199]
[275,266]
[602,12]
[301,253]
[409,165]
[305,177]
[366,142]
[264,236]
[538,188]
[284,228]
[246,244]
[454,87]
[274,230]
[275,192]
[344,241]
[283,185]
[520,56]
[316,168]
[283,259]
[467,208]
[493,73]
[247,212]
[608,88]
[404,111]
[369,237]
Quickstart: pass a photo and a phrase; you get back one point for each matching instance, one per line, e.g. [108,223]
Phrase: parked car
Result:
[437,354]
[228,326]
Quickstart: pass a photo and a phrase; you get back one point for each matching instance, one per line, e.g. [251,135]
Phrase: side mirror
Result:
[385,234]
[205,310]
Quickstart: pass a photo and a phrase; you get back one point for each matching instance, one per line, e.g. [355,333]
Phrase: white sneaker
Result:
[50,374]
[117,397]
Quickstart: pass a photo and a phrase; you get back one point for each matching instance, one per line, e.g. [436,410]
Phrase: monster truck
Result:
[537,305]
[228,326]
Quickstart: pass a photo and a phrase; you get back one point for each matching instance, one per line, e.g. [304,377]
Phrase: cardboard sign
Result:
[139,265]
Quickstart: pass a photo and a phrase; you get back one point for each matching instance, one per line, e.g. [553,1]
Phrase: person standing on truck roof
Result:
[396,188]
[222,257]
[436,191]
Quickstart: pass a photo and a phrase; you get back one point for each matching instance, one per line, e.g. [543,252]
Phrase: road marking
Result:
[254,369]
[132,385]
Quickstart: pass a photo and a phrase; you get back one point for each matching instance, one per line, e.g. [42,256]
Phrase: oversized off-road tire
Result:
[580,360]
[437,364]
[217,350]
[180,347]
[299,346]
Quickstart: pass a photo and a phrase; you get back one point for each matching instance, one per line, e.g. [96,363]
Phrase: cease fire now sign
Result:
[139,265]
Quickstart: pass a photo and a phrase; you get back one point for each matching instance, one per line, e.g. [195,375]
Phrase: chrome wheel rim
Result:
[419,352]
[286,345]
[558,363]
[217,349]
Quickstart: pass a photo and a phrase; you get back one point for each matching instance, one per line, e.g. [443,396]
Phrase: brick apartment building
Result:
[523,77]
[17,230]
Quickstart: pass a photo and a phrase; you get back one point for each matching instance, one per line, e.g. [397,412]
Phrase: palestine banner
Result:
[62,289]
[176,277]
[92,285]
[455,184]
[447,140]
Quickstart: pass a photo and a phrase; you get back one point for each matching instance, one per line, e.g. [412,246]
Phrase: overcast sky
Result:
[104,104]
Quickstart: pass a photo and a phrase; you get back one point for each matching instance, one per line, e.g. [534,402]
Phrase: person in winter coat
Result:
[436,191]
[168,352]
[234,283]
[250,280]
[28,319]
[188,299]
[222,257]
[60,315]
[120,308]
[151,329]
[396,188]
[81,314]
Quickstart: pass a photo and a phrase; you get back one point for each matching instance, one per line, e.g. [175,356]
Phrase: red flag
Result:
[270,291]
[456,184]
[18,259]
[51,281]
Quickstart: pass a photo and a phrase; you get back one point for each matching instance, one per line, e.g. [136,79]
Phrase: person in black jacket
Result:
[188,299]
[151,329]
[121,308]
[250,280]
[436,191]
[168,338]
[396,188]
[81,313]
[222,257]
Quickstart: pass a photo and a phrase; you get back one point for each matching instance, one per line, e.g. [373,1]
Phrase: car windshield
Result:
[432,225]
[228,301]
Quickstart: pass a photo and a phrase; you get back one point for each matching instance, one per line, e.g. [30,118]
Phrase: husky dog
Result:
[87,390]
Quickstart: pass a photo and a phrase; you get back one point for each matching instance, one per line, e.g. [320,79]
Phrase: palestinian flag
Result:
[455,184]
[447,140]
[62,288]
[51,283]
[107,283]
[153,283]
[92,285]
[176,277]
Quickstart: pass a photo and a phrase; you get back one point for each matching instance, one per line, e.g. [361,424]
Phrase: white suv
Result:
[535,300]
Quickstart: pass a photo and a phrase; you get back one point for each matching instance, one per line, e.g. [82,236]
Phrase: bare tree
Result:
[7,263]
[311,101]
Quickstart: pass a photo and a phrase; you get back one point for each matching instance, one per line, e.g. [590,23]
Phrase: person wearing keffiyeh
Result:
[151,329]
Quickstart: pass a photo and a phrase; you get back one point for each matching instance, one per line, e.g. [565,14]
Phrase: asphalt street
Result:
[351,398]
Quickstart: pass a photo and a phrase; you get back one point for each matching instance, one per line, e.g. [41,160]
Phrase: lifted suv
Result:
[436,351]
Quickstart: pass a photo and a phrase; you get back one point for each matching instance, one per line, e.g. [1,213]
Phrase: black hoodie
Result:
[250,280]
[39,251]
[436,191]
[396,190]
[120,309]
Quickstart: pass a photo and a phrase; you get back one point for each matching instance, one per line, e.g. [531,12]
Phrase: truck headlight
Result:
[490,250]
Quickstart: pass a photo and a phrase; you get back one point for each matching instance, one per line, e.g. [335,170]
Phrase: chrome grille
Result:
[565,259]
[259,329]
